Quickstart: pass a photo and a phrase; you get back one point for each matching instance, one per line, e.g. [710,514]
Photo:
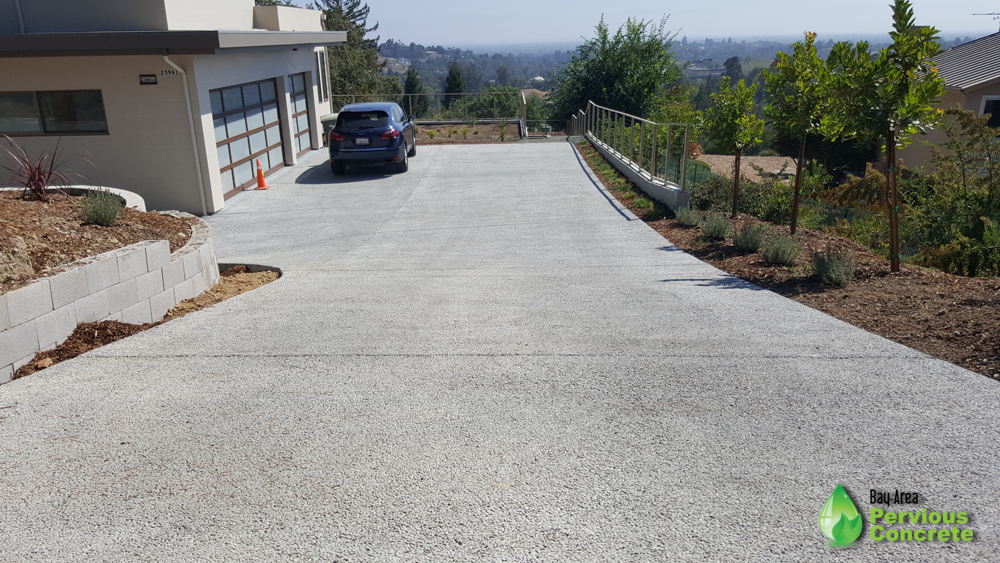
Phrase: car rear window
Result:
[357,120]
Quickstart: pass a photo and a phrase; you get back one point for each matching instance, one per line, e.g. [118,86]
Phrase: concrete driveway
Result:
[485,359]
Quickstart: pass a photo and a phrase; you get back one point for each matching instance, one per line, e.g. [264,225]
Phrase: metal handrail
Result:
[616,131]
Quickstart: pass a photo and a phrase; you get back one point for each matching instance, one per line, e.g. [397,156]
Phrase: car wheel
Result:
[338,169]
[403,165]
[413,149]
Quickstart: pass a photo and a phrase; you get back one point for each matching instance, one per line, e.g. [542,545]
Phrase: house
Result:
[971,72]
[175,100]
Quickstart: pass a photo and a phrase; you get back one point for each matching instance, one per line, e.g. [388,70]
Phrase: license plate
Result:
[362,141]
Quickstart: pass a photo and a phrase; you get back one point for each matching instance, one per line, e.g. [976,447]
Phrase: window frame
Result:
[982,105]
[41,118]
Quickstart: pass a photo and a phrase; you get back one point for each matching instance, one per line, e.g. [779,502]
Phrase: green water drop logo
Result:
[840,520]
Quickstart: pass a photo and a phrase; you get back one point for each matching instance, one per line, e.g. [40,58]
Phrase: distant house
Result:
[971,72]
[175,100]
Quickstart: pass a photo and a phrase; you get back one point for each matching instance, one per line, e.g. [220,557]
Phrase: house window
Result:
[323,75]
[52,113]
[992,107]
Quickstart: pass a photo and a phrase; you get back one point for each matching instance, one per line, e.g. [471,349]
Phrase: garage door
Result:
[247,128]
[300,115]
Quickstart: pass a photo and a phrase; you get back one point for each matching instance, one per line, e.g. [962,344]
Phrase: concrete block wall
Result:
[136,284]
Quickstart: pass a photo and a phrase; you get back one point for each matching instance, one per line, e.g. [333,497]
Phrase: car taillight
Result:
[390,134]
[336,136]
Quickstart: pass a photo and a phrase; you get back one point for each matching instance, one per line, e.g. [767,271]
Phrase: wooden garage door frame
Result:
[268,148]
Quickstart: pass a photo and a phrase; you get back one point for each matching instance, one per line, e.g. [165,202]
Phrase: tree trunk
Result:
[892,169]
[798,185]
[736,184]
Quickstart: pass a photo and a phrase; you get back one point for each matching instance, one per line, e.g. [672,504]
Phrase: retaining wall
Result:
[135,284]
[667,193]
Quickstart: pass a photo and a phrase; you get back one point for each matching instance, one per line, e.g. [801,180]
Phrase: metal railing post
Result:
[687,133]
[642,137]
[666,159]
[656,141]
[631,142]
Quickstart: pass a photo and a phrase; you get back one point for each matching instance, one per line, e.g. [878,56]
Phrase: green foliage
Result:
[354,66]
[750,237]
[715,227]
[732,122]
[497,101]
[36,176]
[417,103]
[795,87]
[687,217]
[632,71]
[454,84]
[100,207]
[465,133]
[780,250]
[503,75]
[833,266]
[967,256]
[502,128]
[431,134]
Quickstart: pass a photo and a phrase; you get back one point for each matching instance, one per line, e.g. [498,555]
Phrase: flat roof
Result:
[211,42]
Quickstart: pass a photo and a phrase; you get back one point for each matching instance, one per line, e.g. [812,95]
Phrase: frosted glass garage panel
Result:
[251,95]
[275,157]
[258,142]
[227,181]
[267,91]
[243,173]
[236,124]
[300,103]
[240,149]
[298,83]
[224,156]
[216,98]
[273,135]
[271,114]
[232,98]
[255,119]
[220,130]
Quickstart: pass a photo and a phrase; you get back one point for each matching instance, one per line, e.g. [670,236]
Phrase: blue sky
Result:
[469,22]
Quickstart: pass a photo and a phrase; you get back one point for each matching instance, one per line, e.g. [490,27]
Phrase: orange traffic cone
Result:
[260,178]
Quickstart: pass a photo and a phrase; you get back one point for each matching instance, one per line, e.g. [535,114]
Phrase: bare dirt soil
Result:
[39,238]
[722,164]
[476,134]
[953,318]
[89,336]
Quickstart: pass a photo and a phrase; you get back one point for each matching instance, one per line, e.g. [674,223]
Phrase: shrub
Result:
[100,207]
[642,204]
[687,217]
[780,250]
[476,132]
[749,237]
[833,266]
[776,203]
[715,227]
[716,194]
[502,127]
[768,152]
[431,134]
[465,133]
[36,176]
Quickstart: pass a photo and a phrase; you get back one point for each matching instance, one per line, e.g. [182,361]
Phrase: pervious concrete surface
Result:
[485,359]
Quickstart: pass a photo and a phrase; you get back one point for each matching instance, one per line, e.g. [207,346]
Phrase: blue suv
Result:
[372,134]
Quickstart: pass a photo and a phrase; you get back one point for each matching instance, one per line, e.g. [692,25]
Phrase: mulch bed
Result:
[475,135]
[38,238]
[953,318]
[89,336]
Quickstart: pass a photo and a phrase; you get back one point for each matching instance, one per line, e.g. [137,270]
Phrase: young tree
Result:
[887,96]
[795,86]
[416,102]
[454,84]
[734,70]
[633,71]
[733,124]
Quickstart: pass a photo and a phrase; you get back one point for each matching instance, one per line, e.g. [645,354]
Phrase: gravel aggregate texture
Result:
[484,359]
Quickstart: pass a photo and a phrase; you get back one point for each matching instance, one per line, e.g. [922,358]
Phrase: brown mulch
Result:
[38,238]
[476,135]
[953,318]
[89,336]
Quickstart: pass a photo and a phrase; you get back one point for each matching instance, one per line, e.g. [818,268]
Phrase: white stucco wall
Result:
[209,14]
[285,18]
[148,147]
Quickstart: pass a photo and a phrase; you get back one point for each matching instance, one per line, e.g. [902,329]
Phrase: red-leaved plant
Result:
[36,176]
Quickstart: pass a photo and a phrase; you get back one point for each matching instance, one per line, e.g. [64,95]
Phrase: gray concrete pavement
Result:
[484,359]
